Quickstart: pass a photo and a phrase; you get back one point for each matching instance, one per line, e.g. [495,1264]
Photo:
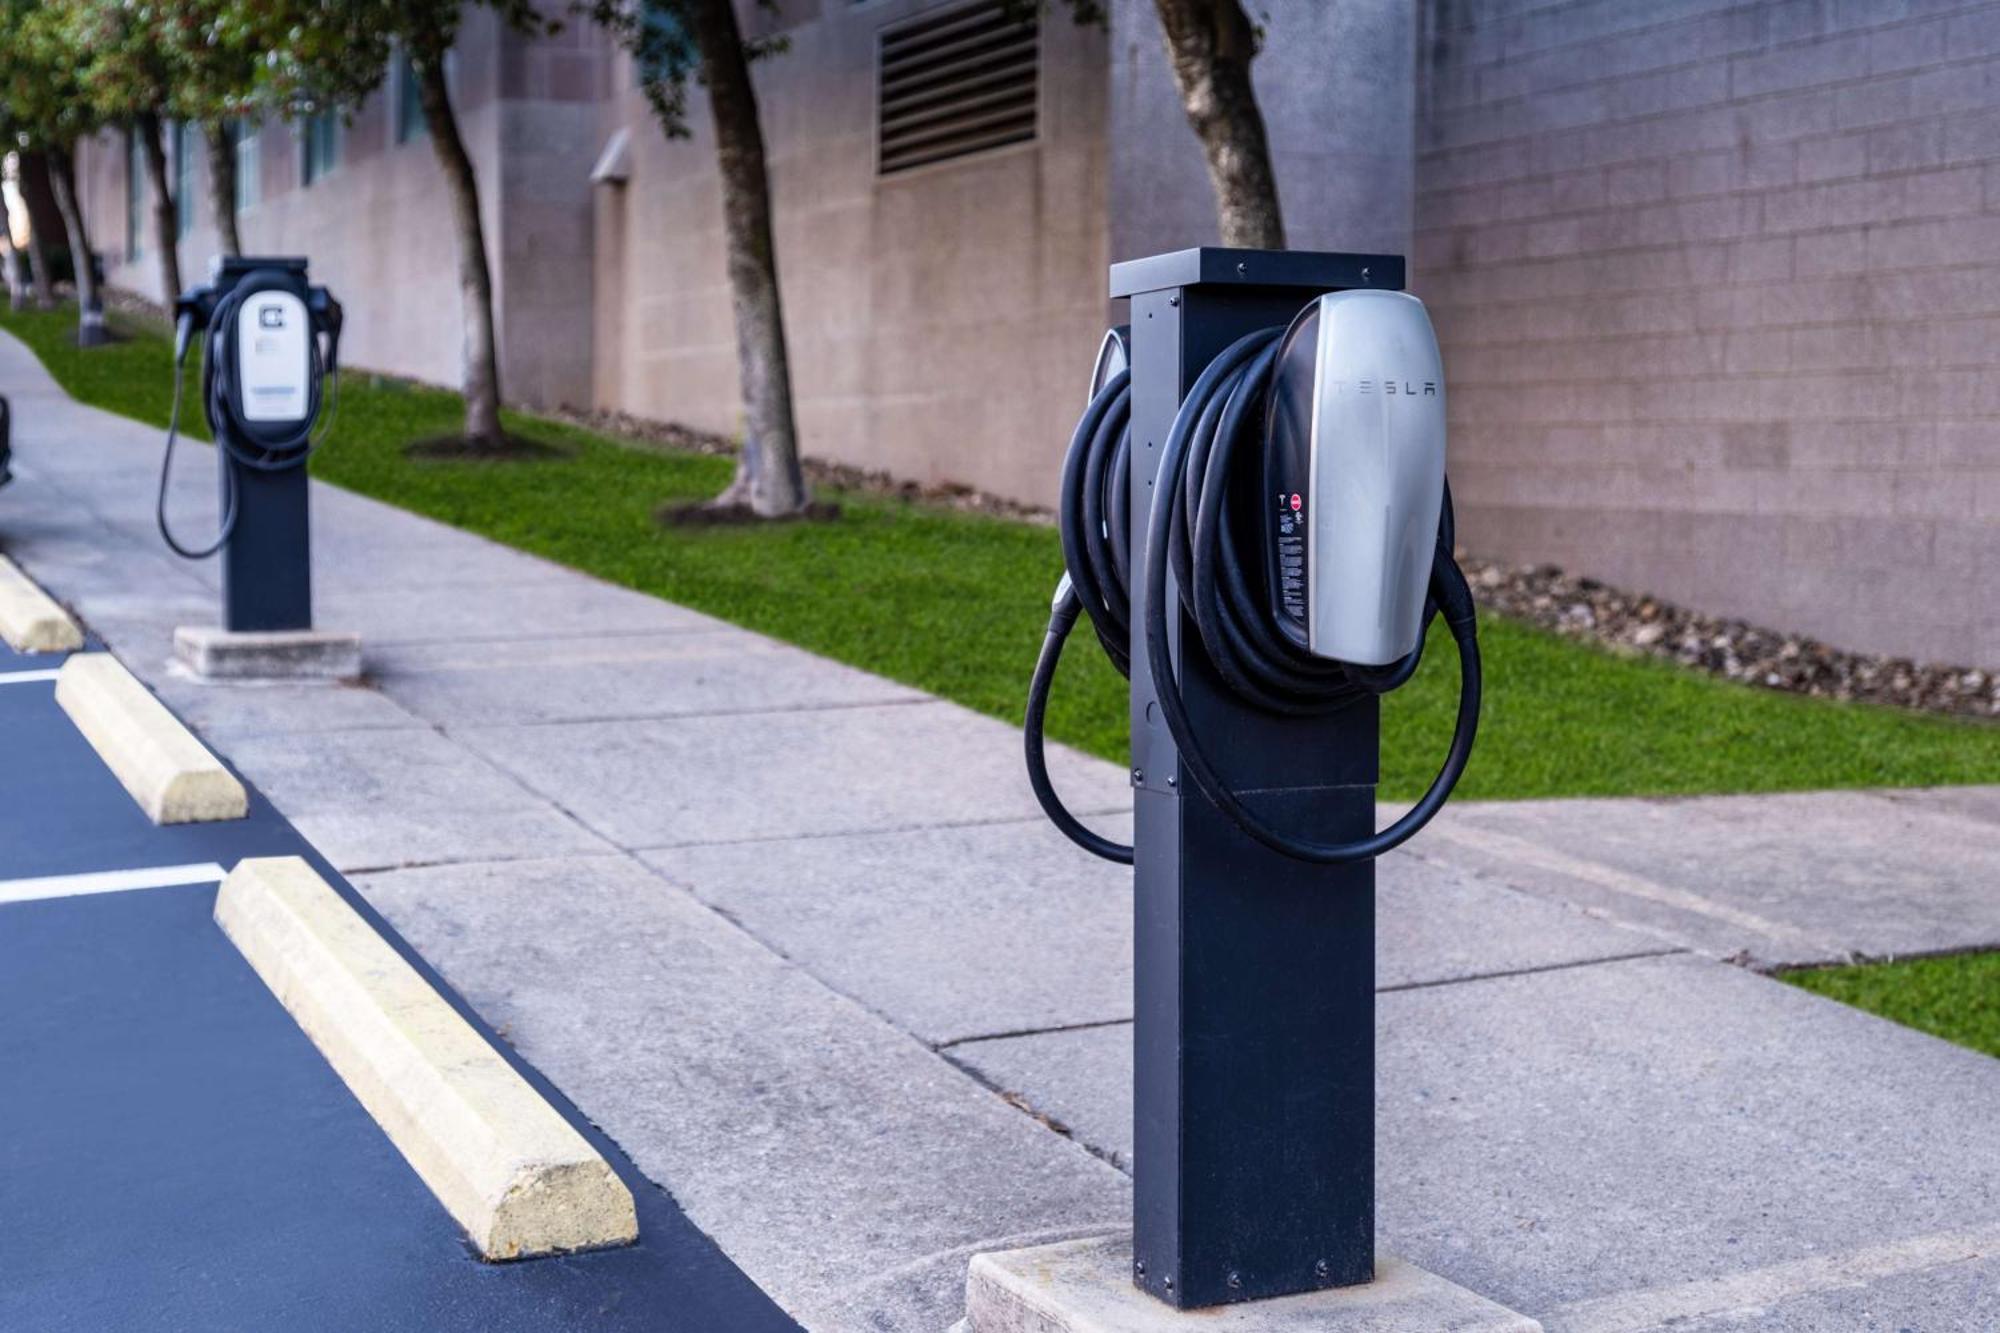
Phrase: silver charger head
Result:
[1114,355]
[1354,475]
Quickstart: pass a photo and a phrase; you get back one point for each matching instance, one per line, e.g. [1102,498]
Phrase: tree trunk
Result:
[166,218]
[10,257]
[89,306]
[475,279]
[768,478]
[222,184]
[1210,44]
[38,247]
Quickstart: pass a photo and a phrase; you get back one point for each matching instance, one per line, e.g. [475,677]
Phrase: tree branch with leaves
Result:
[332,54]
[128,79]
[213,48]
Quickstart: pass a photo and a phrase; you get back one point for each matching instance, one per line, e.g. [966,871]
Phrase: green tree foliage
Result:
[214,48]
[43,107]
[333,53]
[329,54]
[127,76]
[41,98]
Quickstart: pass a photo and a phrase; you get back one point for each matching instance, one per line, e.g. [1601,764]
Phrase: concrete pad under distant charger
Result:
[1085,1286]
[291,654]
[169,773]
[516,1175]
[30,620]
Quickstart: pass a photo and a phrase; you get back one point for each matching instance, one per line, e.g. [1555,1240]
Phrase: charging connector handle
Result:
[1062,619]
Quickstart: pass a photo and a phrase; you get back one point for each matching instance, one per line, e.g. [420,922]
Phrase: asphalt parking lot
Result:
[175,1153]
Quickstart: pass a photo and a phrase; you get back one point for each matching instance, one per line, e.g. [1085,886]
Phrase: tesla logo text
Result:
[1399,388]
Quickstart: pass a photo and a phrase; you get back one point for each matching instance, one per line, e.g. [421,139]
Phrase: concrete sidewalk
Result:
[789,932]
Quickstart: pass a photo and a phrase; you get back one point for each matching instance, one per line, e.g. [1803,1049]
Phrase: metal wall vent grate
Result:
[956,82]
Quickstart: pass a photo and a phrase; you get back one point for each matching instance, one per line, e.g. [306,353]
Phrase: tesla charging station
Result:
[1256,524]
[270,345]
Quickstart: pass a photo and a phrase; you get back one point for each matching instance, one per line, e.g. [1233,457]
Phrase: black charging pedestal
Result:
[1254,1060]
[267,562]
[266,629]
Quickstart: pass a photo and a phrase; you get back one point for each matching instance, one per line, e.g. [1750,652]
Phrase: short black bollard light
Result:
[1256,522]
[270,350]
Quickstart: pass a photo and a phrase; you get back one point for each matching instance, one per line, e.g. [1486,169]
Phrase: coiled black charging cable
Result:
[1192,528]
[218,380]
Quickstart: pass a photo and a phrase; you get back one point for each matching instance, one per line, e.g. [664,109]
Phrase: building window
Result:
[321,146]
[135,195]
[954,83]
[249,164]
[410,122]
[184,138]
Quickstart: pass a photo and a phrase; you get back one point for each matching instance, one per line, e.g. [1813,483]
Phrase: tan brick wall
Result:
[378,229]
[941,321]
[1719,288]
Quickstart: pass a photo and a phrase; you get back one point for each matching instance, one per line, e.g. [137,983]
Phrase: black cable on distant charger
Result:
[220,378]
[1192,529]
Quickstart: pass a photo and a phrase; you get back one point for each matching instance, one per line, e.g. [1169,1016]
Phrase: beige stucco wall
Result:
[378,229]
[941,322]
[1717,287]
[1719,290]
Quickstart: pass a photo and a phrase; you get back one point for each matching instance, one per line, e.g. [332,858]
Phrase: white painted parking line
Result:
[109,881]
[23,677]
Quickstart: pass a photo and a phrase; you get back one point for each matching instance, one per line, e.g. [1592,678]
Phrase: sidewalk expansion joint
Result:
[1671,951]
[484,858]
[1516,854]
[473,639]
[1019,1101]
[1108,812]
[1757,1291]
[1034,1032]
[514,779]
[686,715]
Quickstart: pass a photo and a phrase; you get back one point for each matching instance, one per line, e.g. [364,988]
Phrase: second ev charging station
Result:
[1256,523]
[270,345]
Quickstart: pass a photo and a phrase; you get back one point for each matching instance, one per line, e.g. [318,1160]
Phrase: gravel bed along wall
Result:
[1632,622]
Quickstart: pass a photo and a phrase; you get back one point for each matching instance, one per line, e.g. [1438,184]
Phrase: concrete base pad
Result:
[1085,1286]
[298,654]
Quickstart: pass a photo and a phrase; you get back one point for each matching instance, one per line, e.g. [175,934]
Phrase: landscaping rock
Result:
[1583,608]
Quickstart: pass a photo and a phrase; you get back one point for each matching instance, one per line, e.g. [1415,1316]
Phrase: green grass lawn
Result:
[1956,997]
[956,604]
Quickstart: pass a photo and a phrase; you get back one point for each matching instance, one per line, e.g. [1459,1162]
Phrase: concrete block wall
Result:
[1719,289]
[940,321]
[378,227]
[1716,279]
[1336,86]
